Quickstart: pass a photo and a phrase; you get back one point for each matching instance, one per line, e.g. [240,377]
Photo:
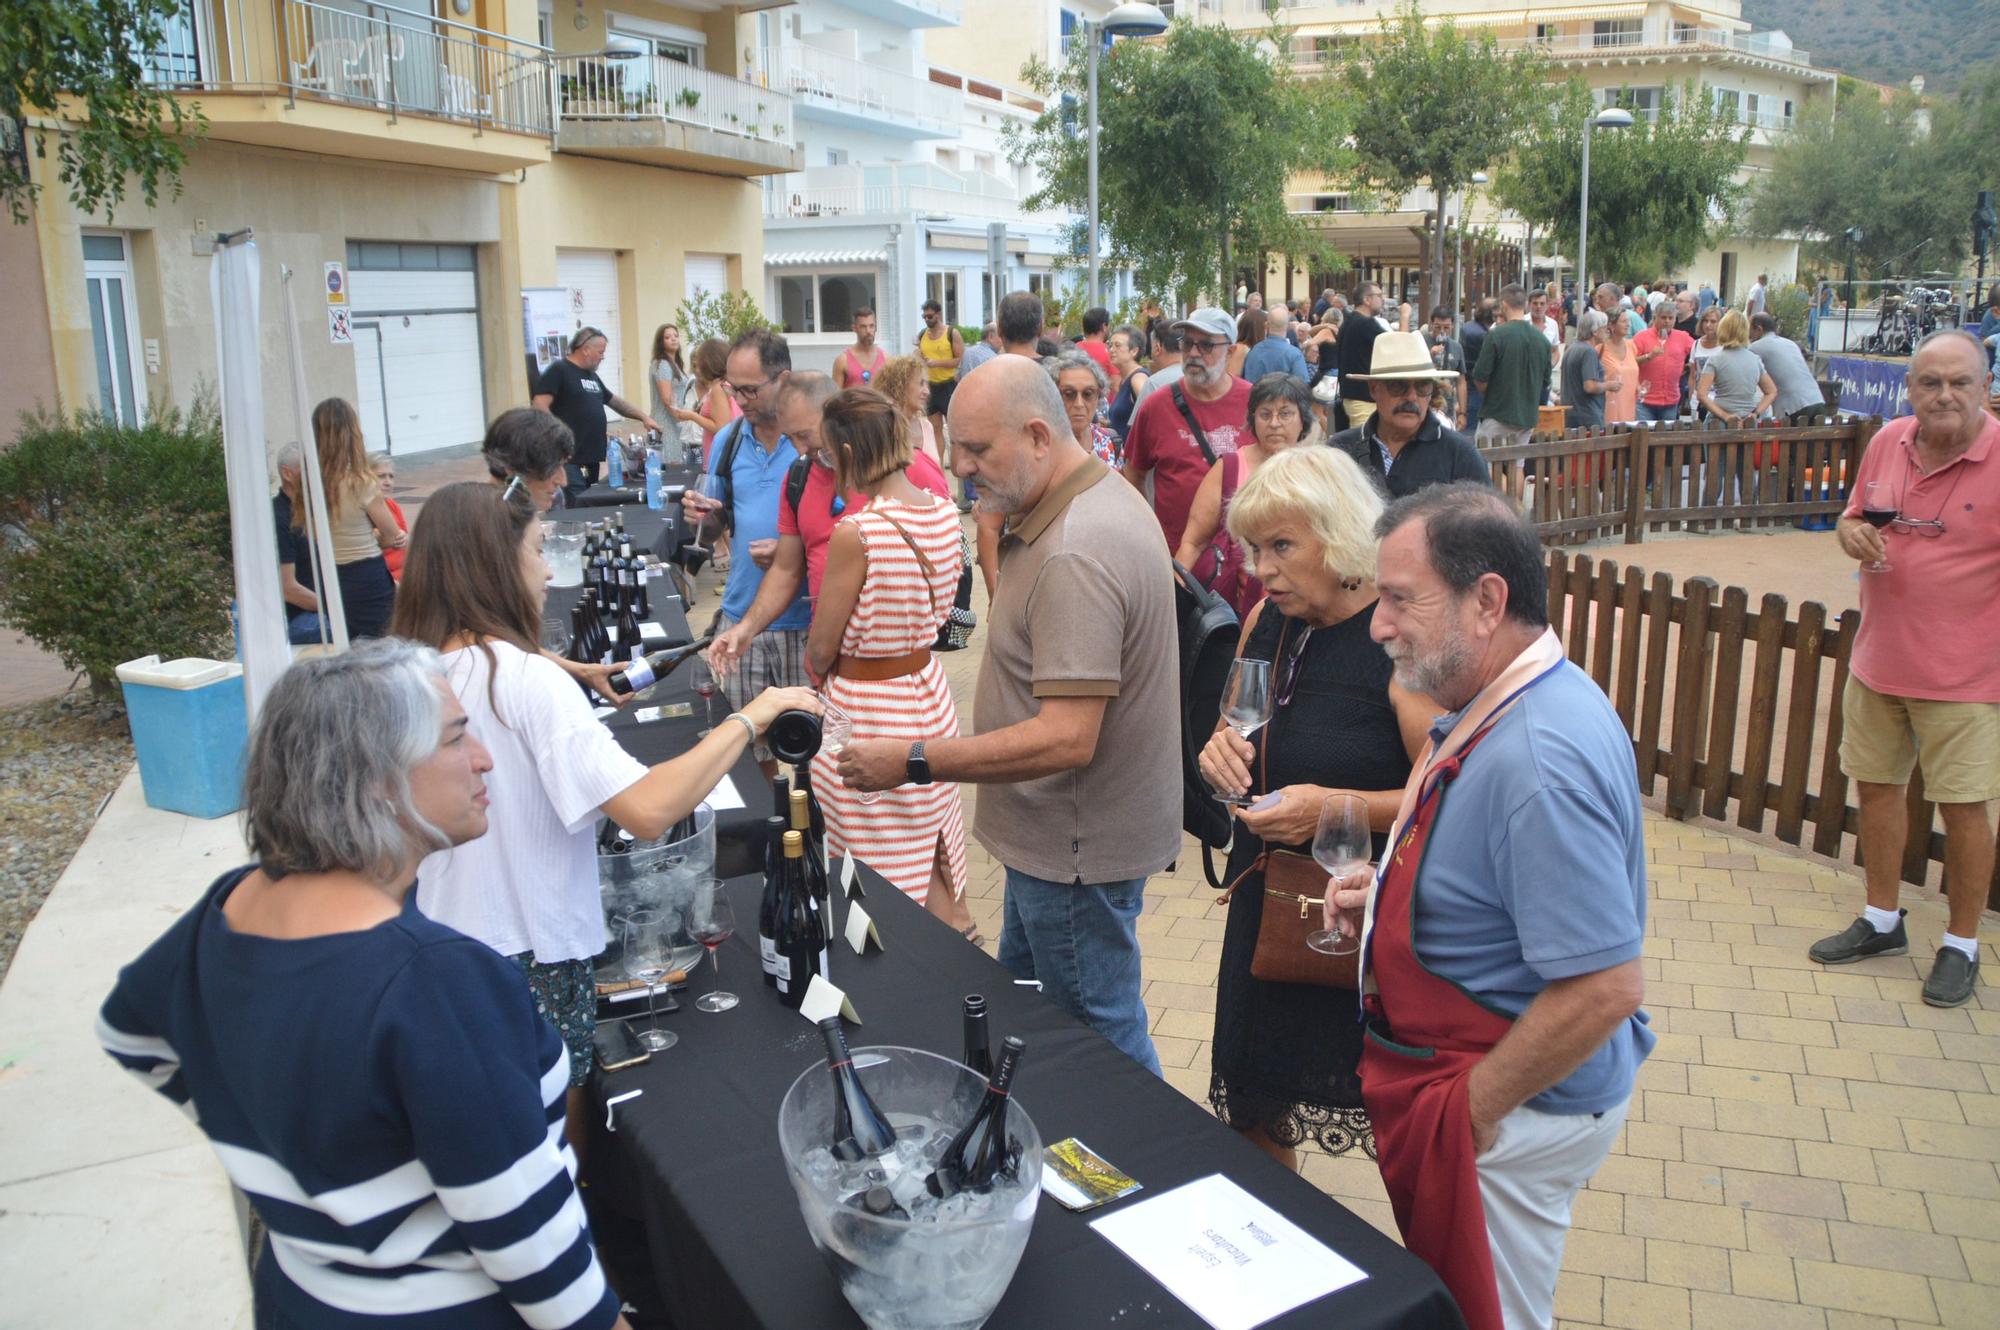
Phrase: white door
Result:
[707,272]
[114,326]
[592,278]
[418,376]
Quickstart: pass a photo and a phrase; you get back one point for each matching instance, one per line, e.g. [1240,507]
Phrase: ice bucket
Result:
[654,875]
[944,1273]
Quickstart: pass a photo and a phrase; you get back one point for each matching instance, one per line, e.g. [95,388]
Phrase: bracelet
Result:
[749,726]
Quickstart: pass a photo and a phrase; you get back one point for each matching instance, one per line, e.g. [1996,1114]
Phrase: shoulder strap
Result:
[1187,414]
[724,467]
[795,483]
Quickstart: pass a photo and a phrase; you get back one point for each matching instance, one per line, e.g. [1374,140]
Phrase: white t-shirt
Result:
[1755,303]
[530,883]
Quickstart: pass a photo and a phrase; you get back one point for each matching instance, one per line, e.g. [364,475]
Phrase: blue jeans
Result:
[1082,942]
[1670,412]
[303,630]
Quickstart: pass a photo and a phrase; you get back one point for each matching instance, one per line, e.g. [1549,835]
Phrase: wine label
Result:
[767,951]
[640,676]
[781,966]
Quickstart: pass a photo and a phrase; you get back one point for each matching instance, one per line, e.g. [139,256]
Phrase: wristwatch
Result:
[920,767]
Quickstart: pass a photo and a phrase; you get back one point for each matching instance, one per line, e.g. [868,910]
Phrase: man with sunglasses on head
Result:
[809,507]
[1177,435]
[1403,443]
[571,391]
[1924,681]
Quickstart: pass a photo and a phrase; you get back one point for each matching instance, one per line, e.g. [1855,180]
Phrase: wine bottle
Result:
[799,945]
[773,898]
[643,603]
[815,861]
[629,646]
[859,1129]
[978,1049]
[645,671]
[982,1152]
[793,737]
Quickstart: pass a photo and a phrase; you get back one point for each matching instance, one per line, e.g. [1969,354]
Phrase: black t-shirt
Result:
[293,549]
[579,399]
[1358,332]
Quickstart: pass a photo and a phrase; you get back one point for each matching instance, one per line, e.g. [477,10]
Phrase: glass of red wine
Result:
[704,683]
[1878,509]
[712,922]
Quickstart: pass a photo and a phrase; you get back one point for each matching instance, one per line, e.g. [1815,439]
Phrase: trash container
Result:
[190,732]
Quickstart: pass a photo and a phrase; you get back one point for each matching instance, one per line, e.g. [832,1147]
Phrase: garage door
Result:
[707,272]
[592,278]
[418,376]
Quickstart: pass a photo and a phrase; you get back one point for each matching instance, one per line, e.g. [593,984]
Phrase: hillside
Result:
[1889,40]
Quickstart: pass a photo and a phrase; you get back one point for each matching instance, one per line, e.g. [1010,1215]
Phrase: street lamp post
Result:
[1611,117]
[1458,269]
[1136,19]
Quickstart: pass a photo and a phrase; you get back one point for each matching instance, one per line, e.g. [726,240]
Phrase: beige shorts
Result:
[1883,737]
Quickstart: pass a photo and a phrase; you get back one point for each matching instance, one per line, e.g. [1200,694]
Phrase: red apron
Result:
[1420,1048]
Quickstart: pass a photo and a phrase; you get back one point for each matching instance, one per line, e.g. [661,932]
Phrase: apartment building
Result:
[906,188]
[1631,54]
[429,172]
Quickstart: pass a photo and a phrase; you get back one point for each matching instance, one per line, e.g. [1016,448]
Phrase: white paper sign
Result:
[861,930]
[823,999]
[850,881]
[1234,1261]
[724,796]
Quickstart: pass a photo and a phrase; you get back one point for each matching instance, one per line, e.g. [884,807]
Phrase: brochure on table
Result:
[1234,1261]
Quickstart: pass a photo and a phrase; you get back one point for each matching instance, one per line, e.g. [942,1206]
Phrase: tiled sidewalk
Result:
[1809,1147]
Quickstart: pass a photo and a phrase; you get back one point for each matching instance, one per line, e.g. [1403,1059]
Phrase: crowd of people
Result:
[421,810]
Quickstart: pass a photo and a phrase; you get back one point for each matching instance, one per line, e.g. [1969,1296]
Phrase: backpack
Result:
[1208,634]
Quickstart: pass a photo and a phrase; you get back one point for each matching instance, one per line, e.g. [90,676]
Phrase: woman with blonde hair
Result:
[1286,1057]
[359,518]
[1280,417]
[1734,385]
[906,383]
[1621,366]
[892,567]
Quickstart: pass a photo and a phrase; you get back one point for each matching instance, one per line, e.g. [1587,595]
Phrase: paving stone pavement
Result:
[1807,1147]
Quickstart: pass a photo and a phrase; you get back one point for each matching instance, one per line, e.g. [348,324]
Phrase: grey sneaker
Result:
[1953,975]
[1860,941]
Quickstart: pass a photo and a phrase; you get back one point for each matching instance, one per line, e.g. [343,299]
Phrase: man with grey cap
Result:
[1177,435]
[1403,442]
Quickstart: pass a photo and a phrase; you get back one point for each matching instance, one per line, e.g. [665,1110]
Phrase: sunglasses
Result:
[1203,346]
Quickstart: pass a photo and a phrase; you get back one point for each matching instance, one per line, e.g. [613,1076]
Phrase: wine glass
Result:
[1341,847]
[555,636]
[836,731]
[709,486]
[1246,705]
[703,682]
[712,922]
[647,959]
[1879,508]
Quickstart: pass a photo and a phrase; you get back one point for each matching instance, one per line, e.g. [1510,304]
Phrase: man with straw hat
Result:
[1404,442]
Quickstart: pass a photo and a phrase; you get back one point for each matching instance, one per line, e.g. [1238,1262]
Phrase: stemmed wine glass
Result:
[712,922]
[709,487]
[836,731]
[1879,508]
[1340,846]
[1246,706]
[648,952]
[704,683]
[555,636]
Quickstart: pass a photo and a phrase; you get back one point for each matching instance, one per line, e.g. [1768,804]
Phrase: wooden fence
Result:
[1632,479]
[1736,710]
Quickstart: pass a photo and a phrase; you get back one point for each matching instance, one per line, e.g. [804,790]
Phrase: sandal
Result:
[972,934]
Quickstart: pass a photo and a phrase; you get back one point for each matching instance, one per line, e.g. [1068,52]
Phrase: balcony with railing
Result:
[922,188]
[859,94]
[910,13]
[1682,40]
[664,112]
[374,81]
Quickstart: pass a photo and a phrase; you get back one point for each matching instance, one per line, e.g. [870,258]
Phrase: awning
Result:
[976,244]
[820,258]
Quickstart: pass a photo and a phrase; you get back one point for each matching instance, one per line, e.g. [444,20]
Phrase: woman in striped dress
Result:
[891,570]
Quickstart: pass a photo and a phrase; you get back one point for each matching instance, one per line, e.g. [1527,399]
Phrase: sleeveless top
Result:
[937,348]
[858,375]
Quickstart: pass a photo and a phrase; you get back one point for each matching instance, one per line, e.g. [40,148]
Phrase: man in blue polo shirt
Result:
[750,456]
[1503,939]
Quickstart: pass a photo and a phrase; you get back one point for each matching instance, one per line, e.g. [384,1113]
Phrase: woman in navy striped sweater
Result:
[380,1085]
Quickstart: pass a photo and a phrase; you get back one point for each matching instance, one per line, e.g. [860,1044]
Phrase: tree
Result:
[1200,137]
[723,314]
[1659,191]
[80,59]
[1433,105]
[1893,169]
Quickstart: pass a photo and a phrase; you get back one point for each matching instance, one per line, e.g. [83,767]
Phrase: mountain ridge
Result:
[1888,41]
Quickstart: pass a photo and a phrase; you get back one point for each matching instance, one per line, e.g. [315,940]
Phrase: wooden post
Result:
[1688,678]
[1800,718]
[1659,619]
[1763,705]
[1635,502]
[1832,819]
[1728,687]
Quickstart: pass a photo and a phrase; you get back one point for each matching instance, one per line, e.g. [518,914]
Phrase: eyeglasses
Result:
[1290,679]
[1288,415]
[747,391]
[515,484]
[1930,528]
[1079,394]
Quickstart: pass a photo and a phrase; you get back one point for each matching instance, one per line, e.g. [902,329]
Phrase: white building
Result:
[900,107]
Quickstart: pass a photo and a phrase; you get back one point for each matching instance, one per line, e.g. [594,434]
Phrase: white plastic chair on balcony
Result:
[461,96]
[367,74]
[324,62]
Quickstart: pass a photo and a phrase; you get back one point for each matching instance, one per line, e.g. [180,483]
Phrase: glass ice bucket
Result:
[942,1272]
[656,875]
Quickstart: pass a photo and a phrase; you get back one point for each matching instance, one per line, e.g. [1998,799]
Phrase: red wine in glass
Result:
[1878,509]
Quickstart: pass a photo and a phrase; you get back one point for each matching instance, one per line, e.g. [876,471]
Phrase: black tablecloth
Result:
[696,1159]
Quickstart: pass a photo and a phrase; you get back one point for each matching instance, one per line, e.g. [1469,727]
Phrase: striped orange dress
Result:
[899,611]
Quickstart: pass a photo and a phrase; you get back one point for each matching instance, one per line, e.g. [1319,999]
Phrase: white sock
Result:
[1885,921]
[1968,945]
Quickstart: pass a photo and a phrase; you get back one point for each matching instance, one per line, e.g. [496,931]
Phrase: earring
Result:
[1350,584]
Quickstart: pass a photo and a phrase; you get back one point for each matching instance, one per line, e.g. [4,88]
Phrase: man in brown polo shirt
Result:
[1077,708]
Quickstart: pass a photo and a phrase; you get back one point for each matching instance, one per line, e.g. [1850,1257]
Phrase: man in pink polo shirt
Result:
[1662,351]
[1925,675]
[803,531]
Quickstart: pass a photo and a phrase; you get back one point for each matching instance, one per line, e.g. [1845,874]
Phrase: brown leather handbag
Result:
[1294,891]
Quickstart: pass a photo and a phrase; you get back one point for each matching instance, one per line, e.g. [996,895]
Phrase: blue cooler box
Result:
[190,731]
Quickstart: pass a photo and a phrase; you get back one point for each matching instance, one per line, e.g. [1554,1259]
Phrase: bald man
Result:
[1077,711]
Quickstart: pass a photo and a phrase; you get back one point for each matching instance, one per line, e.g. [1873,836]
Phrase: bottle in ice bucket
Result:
[982,1151]
[859,1129]
[978,1048]
[614,468]
[793,737]
[653,500]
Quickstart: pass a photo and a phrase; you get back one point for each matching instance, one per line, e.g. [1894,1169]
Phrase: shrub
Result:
[119,538]
[707,314]
[1789,306]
